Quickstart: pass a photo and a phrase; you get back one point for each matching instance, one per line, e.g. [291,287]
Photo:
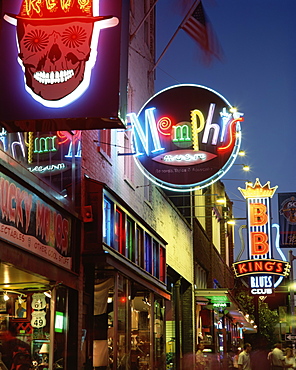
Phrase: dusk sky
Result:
[257,75]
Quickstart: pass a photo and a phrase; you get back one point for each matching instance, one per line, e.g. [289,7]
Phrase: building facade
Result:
[137,275]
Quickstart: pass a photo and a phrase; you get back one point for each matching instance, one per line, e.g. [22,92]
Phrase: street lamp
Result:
[231,221]
[221,200]
[246,167]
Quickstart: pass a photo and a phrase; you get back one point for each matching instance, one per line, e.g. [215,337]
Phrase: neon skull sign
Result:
[57,47]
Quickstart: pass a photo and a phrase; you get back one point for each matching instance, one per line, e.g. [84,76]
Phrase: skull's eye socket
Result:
[36,40]
[74,36]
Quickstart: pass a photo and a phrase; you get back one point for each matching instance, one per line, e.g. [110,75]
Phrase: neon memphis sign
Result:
[186,137]
[57,42]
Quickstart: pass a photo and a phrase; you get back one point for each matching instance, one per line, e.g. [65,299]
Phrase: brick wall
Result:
[209,258]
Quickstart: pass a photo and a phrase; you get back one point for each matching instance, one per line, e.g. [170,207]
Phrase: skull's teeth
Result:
[50,78]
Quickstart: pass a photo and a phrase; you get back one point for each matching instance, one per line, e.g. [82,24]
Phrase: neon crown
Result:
[257,190]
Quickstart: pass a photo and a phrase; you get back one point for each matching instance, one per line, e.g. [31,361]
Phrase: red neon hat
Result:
[58,11]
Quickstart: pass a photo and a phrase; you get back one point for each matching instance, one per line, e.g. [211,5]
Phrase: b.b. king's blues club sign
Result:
[264,271]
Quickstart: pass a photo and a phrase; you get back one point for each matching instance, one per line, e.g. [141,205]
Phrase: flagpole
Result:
[143,20]
[175,34]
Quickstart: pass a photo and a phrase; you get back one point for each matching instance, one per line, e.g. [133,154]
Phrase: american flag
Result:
[198,27]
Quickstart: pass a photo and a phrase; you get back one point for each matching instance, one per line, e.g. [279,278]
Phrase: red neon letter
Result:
[269,266]
[258,266]
[258,216]
[279,267]
[11,196]
[259,244]
[242,268]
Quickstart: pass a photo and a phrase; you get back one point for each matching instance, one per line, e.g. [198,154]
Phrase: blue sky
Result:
[257,75]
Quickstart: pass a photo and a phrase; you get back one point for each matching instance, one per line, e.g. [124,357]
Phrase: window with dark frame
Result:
[127,237]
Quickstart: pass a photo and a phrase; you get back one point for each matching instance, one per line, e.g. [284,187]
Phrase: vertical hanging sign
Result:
[261,265]
[287,219]
[259,225]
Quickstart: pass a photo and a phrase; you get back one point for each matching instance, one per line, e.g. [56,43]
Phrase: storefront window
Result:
[64,338]
[103,333]
[128,326]
[170,336]
[40,310]
[47,326]
[60,327]
[140,333]
[123,354]
[159,350]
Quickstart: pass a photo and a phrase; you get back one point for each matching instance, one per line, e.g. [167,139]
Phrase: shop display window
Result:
[122,324]
[47,322]
[140,331]
[103,330]
[159,340]
[170,332]
[128,325]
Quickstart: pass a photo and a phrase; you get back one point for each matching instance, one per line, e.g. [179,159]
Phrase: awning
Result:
[223,295]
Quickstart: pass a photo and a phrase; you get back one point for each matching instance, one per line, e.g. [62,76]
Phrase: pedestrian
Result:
[290,358]
[235,358]
[277,358]
[200,360]
[244,360]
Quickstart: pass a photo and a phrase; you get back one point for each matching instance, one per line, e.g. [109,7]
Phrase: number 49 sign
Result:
[38,319]
[38,315]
